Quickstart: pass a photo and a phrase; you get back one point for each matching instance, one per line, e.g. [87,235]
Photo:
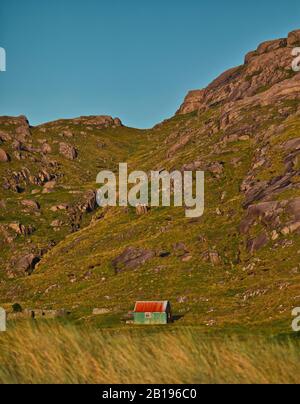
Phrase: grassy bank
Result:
[54,353]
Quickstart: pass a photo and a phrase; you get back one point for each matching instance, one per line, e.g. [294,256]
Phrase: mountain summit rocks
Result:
[102,121]
[90,122]
[269,64]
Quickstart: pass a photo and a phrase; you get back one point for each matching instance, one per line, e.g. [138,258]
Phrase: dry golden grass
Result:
[55,353]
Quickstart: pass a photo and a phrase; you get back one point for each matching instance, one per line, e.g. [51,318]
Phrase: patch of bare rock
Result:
[21,229]
[68,151]
[101,121]
[277,217]
[30,204]
[4,157]
[17,181]
[23,266]
[132,258]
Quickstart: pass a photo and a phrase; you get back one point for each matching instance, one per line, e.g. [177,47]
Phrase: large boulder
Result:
[21,229]
[267,212]
[4,137]
[294,38]
[46,148]
[29,204]
[62,206]
[257,243]
[50,185]
[24,265]
[68,151]
[192,101]
[213,257]
[4,157]
[132,258]
[292,144]
[270,46]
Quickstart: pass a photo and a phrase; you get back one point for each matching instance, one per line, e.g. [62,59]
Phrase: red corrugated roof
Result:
[150,307]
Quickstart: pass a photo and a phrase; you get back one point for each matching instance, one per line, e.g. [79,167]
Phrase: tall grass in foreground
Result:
[62,354]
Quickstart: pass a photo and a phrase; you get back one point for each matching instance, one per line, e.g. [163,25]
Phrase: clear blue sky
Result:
[135,59]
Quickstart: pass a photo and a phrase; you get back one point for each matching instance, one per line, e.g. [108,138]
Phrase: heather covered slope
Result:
[237,267]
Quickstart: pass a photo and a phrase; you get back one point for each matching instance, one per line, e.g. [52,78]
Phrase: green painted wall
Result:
[156,318]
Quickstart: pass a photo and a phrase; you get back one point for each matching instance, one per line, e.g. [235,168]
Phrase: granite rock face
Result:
[268,65]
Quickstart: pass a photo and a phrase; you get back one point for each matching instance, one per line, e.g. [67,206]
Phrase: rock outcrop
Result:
[269,64]
[68,151]
[20,125]
[132,258]
[23,266]
[4,137]
[30,204]
[4,157]
[100,122]
[89,122]
[21,229]
[17,181]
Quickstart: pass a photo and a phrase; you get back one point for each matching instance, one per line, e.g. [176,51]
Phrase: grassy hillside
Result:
[238,290]
[235,269]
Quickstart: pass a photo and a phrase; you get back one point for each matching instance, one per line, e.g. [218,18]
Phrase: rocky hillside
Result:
[48,189]
[237,267]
